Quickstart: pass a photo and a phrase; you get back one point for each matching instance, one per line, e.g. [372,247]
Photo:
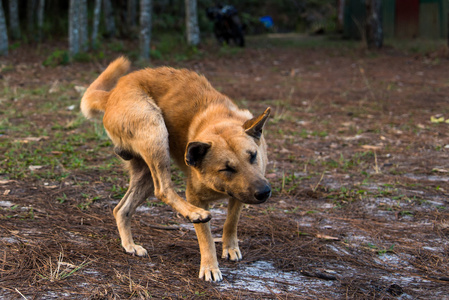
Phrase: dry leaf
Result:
[283,150]
[6,181]
[32,139]
[54,87]
[34,168]
[327,237]
[51,187]
[80,89]
[370,147]
[436,119]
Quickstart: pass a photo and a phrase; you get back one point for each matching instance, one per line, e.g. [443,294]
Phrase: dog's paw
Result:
[200,216]
[233,254]
[210,274]
[136,250]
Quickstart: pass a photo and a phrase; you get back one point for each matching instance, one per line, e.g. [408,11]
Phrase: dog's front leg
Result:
[231,248]
[209,270]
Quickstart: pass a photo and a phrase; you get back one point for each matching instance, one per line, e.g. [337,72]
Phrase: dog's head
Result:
[231,158]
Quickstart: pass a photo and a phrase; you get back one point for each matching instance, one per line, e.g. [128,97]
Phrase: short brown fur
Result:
[154,113]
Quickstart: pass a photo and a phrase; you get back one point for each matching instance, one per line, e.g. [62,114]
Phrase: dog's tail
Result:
[97,94]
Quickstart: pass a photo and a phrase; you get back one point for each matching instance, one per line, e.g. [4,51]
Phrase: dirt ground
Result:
[358,162]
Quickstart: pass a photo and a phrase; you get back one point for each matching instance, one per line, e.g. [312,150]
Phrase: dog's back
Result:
[179,94]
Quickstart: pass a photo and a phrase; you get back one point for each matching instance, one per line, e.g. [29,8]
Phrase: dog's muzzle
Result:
[263,194]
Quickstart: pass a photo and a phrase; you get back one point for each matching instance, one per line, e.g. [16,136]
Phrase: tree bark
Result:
[14,24]
[109,18]
[3,33]
[74,38]
[31,5]
[374,31]
[145,28]
[83,28]
[131,13]
[96,22]
[40,18]
[192,28]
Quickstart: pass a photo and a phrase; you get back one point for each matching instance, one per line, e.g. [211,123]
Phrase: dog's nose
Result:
[263,194]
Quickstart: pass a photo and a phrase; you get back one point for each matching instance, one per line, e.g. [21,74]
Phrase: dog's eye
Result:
[229,169]
[252,157]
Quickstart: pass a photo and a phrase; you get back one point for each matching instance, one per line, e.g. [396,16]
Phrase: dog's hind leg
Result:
[150,141]
[140,188]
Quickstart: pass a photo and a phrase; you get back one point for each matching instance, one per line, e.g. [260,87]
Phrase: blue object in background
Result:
[267,21]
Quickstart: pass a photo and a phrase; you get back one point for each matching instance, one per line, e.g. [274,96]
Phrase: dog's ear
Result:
[254,126]
[195,153]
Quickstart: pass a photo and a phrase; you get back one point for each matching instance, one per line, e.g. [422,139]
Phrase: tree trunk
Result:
[374,31]
[40,18]
[74,38]
[83,28]
[31,5]
[145,28]
[3,32]
[109,18]
[14,24]
[96,22]
[192,28]
[131,13]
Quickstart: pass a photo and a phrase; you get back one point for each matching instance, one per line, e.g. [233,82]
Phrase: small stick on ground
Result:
[316,186]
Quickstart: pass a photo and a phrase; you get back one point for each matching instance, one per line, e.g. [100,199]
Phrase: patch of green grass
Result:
[292,211]
[89,201]
[321,134]
[303,41]
[417,46]
[52,149]
[269,210]
[22,214]
[283,108]
[346,195]
[384,251]
[288,183]
[118,191]
[151,203]
[57,153]
[359,160]
[62,199]
[380,251]
[57,57]
[229,51]
[61,270]
[404,213]
[172,46]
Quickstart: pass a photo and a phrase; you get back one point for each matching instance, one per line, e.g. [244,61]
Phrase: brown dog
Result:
[154,113]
